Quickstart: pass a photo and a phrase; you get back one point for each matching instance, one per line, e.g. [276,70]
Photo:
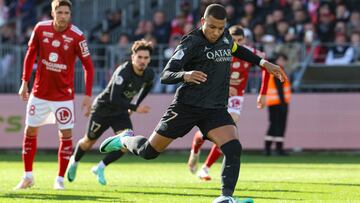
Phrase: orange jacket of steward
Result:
[272,94]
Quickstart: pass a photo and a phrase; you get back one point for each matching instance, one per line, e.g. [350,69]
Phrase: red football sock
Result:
[214,154]
[64,154]
[28,152]
[197,142]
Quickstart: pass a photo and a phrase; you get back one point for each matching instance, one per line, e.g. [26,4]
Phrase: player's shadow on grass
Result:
[49,197]
[199,195]
[239,189]
[182,157]
[309,183]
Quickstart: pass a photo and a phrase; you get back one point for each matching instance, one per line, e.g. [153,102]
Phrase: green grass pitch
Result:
[299,178]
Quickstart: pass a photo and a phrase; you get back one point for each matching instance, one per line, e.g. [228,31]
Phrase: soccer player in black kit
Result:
[201,63]
[112,106]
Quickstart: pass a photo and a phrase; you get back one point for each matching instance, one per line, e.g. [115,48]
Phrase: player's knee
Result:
[65,134]
[30,131]
[232,149]
[86,144]
[149,152]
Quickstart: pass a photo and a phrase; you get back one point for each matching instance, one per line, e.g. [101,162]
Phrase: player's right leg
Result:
[118,123]
[29,148]
[193,161]
[38,113]
[97,125]
[81,148]
[176,122]
[137,145]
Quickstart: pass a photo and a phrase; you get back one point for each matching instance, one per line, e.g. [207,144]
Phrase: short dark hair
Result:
[141,45]
[236,30]
[215,10]
[281,55]
[57,3]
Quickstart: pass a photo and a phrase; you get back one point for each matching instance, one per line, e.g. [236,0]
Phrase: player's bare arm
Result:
[86,105]
[196,77]
[232,91]
[275,70]
[24,91]
[261,101]
[143,109]
[246,55]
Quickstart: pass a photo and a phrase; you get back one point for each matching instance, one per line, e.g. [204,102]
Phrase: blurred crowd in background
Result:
[326,30]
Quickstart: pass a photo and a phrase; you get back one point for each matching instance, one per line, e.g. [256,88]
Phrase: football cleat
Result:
[229,199]
[100,176]
[71,170]
[114,143]
[193,162]
[59,185]
[25,183]
[203,173]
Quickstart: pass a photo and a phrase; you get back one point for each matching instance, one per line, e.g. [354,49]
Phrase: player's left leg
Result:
[65,118]
[215,151]
[221,129]
[64,154]
[99,169]
[226,137]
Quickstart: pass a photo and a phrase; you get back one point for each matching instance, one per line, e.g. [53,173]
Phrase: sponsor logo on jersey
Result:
[235,75]
[53,66]
[236,64]
[67,39]
[206,49]
[221,55]
[63,115]
[55,43]
[48,34]
[130,94]
[66,47]
[119,80]
[84,48]
[53,57]
[46,40]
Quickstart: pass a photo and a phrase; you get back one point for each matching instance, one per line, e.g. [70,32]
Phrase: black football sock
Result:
[230,166]
[140,146]
[78,152]
[268,147]
[112,156]
[279,147]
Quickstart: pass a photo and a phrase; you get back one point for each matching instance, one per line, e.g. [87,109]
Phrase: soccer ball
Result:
[225,199]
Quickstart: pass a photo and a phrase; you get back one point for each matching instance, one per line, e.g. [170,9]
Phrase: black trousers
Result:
[277,118]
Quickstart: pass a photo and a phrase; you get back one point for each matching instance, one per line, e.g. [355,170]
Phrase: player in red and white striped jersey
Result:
[238,80]
[56,44]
